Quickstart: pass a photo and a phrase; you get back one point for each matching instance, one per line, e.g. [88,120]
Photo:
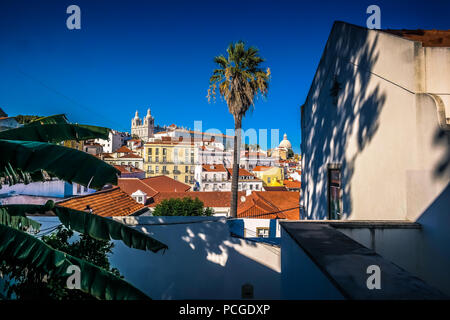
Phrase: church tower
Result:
[143,128]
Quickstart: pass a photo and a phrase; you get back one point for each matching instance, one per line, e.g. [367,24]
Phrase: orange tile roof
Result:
[131,185]
[127,169]
[261,168]
[166,184]
[271,205]
[123,149]
[106,203]
[130,155]
[242,173]
[429,38]
[292,184]
[214,168]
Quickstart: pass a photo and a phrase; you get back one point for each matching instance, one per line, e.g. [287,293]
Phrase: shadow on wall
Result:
[340,105]
[436,239]
[202,262]
[442,137]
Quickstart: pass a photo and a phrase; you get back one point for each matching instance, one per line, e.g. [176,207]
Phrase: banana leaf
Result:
[57,118]
[28,157]
[18,247]
[97,227]
[18,221]
[54,132]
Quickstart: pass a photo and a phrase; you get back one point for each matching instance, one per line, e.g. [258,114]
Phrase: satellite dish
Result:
[242,199]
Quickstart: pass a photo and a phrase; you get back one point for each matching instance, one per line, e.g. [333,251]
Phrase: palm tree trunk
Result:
[235,176]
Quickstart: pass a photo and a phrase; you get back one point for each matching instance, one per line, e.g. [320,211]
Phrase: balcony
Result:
[165,171]
[176,172]
[151,171]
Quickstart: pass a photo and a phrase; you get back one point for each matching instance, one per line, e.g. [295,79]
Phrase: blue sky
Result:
[132,55]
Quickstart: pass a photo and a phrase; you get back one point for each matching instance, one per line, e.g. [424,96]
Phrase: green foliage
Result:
[24,119]
[19,159]
[98,227]
[27,282]
[182,207]
[21,249]
[54,132]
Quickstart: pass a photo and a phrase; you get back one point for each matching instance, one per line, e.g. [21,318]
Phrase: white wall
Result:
[203,261]
[383,130]
[411,249]
[54,188]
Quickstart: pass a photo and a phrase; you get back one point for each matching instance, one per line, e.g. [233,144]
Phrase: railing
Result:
[176,171]
[165,171]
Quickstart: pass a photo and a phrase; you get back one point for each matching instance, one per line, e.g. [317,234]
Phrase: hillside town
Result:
[352,204]
[158,163]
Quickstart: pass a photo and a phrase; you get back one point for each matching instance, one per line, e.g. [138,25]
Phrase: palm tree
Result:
[240,80]
[26,153]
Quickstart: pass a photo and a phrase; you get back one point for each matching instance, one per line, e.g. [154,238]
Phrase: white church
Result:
[144,128]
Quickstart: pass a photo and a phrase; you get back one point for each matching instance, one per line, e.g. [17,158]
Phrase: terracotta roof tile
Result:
[166,184]
[292,184]
[271,205]
[106,203]
[131,185]
[123,149]
[130,156]
[261,168]
[127,169]
[214,168]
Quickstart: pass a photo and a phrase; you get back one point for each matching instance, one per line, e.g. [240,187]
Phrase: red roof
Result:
[242,173]
[214,168]
[261,168]
[131,155]
[131,185]
[271,205]
[123,149]
[292,184]
[127,169]
[166,184]
[152,185]
[106,203]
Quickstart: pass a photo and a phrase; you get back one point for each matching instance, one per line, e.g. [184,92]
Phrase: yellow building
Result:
[271,176]
[172,158]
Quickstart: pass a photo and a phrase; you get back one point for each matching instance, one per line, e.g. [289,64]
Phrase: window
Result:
[157,151]
[157,169]
[175,177]
[78,188]
[186,169]
[150,151]
[156,159]
[149,168]
[334,192]
[164,151]
[268,179]
[136,164]
[262,232]
[186,179]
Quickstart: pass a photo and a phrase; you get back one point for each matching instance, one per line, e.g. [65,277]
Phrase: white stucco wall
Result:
[203,261]
[54,188]
[383,130]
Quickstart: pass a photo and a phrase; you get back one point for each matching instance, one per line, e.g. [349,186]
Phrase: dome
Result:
[285,143]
